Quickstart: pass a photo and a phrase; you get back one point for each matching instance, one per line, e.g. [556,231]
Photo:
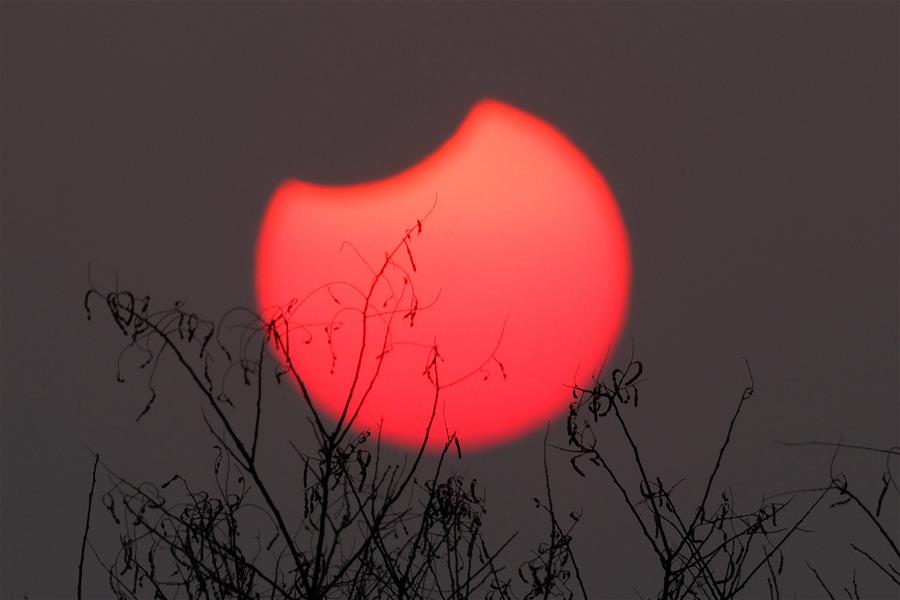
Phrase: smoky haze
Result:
[752,148]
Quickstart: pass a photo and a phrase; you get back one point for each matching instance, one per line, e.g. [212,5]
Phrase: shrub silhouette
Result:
[368,528]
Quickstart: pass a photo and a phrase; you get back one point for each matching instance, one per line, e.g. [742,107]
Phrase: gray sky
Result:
[752,148]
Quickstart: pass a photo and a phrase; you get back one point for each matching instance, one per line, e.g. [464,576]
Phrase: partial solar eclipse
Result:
[505,250]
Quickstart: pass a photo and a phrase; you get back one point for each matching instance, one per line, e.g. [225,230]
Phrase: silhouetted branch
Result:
[716,552]
[87,524]
[363,528]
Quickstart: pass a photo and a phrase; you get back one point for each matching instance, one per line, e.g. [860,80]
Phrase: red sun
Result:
[504,250]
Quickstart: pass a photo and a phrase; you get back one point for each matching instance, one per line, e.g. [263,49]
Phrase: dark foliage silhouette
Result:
[365,527]
[710,549]
[868,502]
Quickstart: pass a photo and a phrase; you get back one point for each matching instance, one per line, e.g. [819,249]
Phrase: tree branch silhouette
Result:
[363,527]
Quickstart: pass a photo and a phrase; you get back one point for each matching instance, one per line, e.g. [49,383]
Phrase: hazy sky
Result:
[752,147]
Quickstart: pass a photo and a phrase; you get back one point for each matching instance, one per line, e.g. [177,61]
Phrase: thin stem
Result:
[87,524]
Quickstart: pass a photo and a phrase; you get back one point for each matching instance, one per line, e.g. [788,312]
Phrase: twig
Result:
[822,583]
[875,562]
[87,523]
